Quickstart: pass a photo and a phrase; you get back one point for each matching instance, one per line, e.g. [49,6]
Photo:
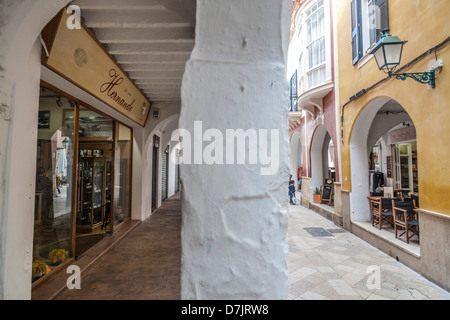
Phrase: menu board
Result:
[327,190]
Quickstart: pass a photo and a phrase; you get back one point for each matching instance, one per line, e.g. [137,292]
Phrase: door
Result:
[94,194]
[396,161]
[165,174]
[155,172]
[177,177]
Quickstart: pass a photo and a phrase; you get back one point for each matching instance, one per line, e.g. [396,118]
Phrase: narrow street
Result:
[325,263]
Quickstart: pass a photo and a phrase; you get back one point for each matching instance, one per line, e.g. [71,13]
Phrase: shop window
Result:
[94,180]
[368,19]
[94,125]
[122,175]
[75,209]
[52,238]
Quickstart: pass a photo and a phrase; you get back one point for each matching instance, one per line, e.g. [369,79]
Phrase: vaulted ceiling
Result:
[150,39]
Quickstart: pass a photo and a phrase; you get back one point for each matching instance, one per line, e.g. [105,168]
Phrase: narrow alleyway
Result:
[325,263]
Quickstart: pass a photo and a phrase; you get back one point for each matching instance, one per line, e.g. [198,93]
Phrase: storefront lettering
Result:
[108,87]
[404,134]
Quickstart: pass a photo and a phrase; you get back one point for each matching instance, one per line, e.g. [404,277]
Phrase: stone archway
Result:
[296,155]
[319,158]
[164,130]
[375,120]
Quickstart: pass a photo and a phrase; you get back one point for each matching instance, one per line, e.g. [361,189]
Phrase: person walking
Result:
[291,192]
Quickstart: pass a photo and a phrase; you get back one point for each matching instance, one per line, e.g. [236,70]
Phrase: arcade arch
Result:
[296,157]
[322,159]
[383,143]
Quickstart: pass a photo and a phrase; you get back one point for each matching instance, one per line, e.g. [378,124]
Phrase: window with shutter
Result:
[294,92]
[378,18]
[356,31]
[369,19]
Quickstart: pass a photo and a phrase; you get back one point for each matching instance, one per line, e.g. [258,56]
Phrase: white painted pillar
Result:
[234,226]
[21,23]
[137,207]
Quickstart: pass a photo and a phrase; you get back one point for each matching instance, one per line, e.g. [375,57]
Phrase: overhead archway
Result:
[164,131]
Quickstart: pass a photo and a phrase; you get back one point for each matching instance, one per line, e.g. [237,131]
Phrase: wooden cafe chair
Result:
[381,211]
[406,219]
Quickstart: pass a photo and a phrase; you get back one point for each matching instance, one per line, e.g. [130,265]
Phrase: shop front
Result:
[84,155]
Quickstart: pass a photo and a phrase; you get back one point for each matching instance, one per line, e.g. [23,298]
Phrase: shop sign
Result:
[77,56]
[403,134]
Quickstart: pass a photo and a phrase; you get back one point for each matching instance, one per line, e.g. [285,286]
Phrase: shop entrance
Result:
[155,166]
[95,169]
[165,174]
[94,179]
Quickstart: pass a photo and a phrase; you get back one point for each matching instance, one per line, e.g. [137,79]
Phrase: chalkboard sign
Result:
[389,166]
[327,190]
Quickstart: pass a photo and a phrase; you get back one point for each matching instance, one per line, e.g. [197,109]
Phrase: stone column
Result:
[235,212]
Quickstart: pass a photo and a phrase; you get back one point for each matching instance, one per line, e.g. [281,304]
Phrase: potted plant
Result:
[38,269]
[317,195]
[58,256]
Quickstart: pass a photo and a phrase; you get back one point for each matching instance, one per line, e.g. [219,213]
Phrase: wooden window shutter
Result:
[356,31]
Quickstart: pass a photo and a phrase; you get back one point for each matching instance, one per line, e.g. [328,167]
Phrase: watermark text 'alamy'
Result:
[235,146]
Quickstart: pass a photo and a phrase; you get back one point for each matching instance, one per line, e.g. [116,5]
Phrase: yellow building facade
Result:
[368,95]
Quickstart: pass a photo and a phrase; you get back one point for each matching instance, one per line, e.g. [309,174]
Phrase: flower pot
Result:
[317,198]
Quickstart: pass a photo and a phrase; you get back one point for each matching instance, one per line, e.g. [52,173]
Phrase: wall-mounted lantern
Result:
[388,55]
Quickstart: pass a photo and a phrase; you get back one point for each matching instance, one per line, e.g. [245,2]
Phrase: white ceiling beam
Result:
[109,4]
[124,18]
[156,46]
[153,57]
[143,82]
[158,86]
[154,66]
[156,74]
[167,32]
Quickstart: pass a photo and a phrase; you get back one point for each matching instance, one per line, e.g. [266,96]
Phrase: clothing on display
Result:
[376,180]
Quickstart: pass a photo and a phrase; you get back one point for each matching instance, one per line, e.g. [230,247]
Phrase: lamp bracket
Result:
[422,77]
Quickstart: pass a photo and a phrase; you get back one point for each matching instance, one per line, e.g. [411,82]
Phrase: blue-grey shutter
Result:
[356,31]
[294,92]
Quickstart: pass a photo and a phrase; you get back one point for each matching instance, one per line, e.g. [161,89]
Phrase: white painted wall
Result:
[234,220]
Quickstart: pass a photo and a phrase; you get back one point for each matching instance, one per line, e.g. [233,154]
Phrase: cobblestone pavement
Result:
[328,263]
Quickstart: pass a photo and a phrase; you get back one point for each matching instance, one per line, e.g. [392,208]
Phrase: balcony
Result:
[313,98]
[295,119]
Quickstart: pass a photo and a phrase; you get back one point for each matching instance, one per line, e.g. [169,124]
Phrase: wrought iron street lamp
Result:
[388,55]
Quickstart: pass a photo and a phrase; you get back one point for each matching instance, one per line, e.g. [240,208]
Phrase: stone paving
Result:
[145,265]
[334,264]
[324,261]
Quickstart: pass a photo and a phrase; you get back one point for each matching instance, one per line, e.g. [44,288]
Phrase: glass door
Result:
[97,203]
[94,179]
